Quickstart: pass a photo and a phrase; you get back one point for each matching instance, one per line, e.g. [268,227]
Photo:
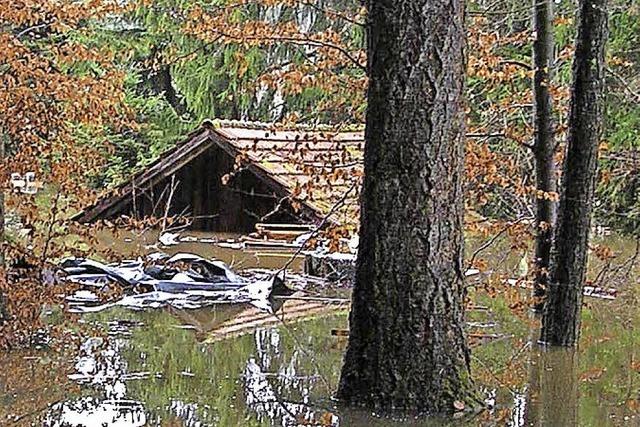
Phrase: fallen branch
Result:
[275,210]
[316,299]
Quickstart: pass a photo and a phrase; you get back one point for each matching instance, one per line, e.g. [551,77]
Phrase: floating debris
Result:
[169,239]
[587,291]
[181,281]
[25,184]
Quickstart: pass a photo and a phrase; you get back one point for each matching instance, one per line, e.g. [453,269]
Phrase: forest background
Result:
[95,90]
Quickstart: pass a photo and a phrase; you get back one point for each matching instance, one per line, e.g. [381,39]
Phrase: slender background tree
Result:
[561,319]
[2,221]
[544,143]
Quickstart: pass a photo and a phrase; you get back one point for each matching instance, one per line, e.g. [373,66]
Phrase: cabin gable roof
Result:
[314,165]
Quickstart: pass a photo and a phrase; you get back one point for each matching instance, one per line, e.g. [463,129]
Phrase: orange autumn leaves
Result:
[43,97]
[54,85]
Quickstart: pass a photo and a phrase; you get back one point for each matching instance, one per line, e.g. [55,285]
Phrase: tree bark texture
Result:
[407,347]
[3,313]
[2,207]
[561,317]
[544,144]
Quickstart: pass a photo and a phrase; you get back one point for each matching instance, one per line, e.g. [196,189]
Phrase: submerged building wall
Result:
[197,192]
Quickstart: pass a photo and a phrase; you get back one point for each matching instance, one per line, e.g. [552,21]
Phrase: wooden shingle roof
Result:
[315,166]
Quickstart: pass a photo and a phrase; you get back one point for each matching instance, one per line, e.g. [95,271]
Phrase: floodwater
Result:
[239,365]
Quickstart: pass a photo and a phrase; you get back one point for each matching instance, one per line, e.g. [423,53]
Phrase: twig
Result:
[493,374]
[172,189]
[332,12]
[133,200]
[193,52]
[517,63]
[315,232]
[158,199]
[54,213]
[601,274]
[299,42]
[275,210]
[494,239]
[635,96]
[517,354]
[631,261]
[616,273]
[303,349]
[486,135]
[33,28]
[317,299]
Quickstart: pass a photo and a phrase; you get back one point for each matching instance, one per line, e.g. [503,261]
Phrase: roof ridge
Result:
[319,127]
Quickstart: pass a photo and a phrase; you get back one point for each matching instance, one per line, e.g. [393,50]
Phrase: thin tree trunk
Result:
[561,318]
[2,214]
[544,144]
[2,236]
[407,347]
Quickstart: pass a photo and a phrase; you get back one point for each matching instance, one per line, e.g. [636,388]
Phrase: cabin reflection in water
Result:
[274,377]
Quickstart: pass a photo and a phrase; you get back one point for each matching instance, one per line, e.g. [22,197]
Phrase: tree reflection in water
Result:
[238,366]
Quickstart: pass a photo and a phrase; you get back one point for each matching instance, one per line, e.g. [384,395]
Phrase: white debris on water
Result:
[181,281]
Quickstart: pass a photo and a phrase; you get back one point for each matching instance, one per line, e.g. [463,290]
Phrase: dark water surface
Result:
[238,365]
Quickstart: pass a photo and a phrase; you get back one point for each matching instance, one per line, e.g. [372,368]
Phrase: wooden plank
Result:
[273,226]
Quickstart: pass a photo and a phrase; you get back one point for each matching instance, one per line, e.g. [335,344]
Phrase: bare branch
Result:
[635,97]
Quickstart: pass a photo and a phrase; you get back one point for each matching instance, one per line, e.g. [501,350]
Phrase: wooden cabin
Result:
[229,175]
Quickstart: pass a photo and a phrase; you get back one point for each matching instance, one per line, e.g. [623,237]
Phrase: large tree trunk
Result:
[544,144]
[561,319]
[407,347]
